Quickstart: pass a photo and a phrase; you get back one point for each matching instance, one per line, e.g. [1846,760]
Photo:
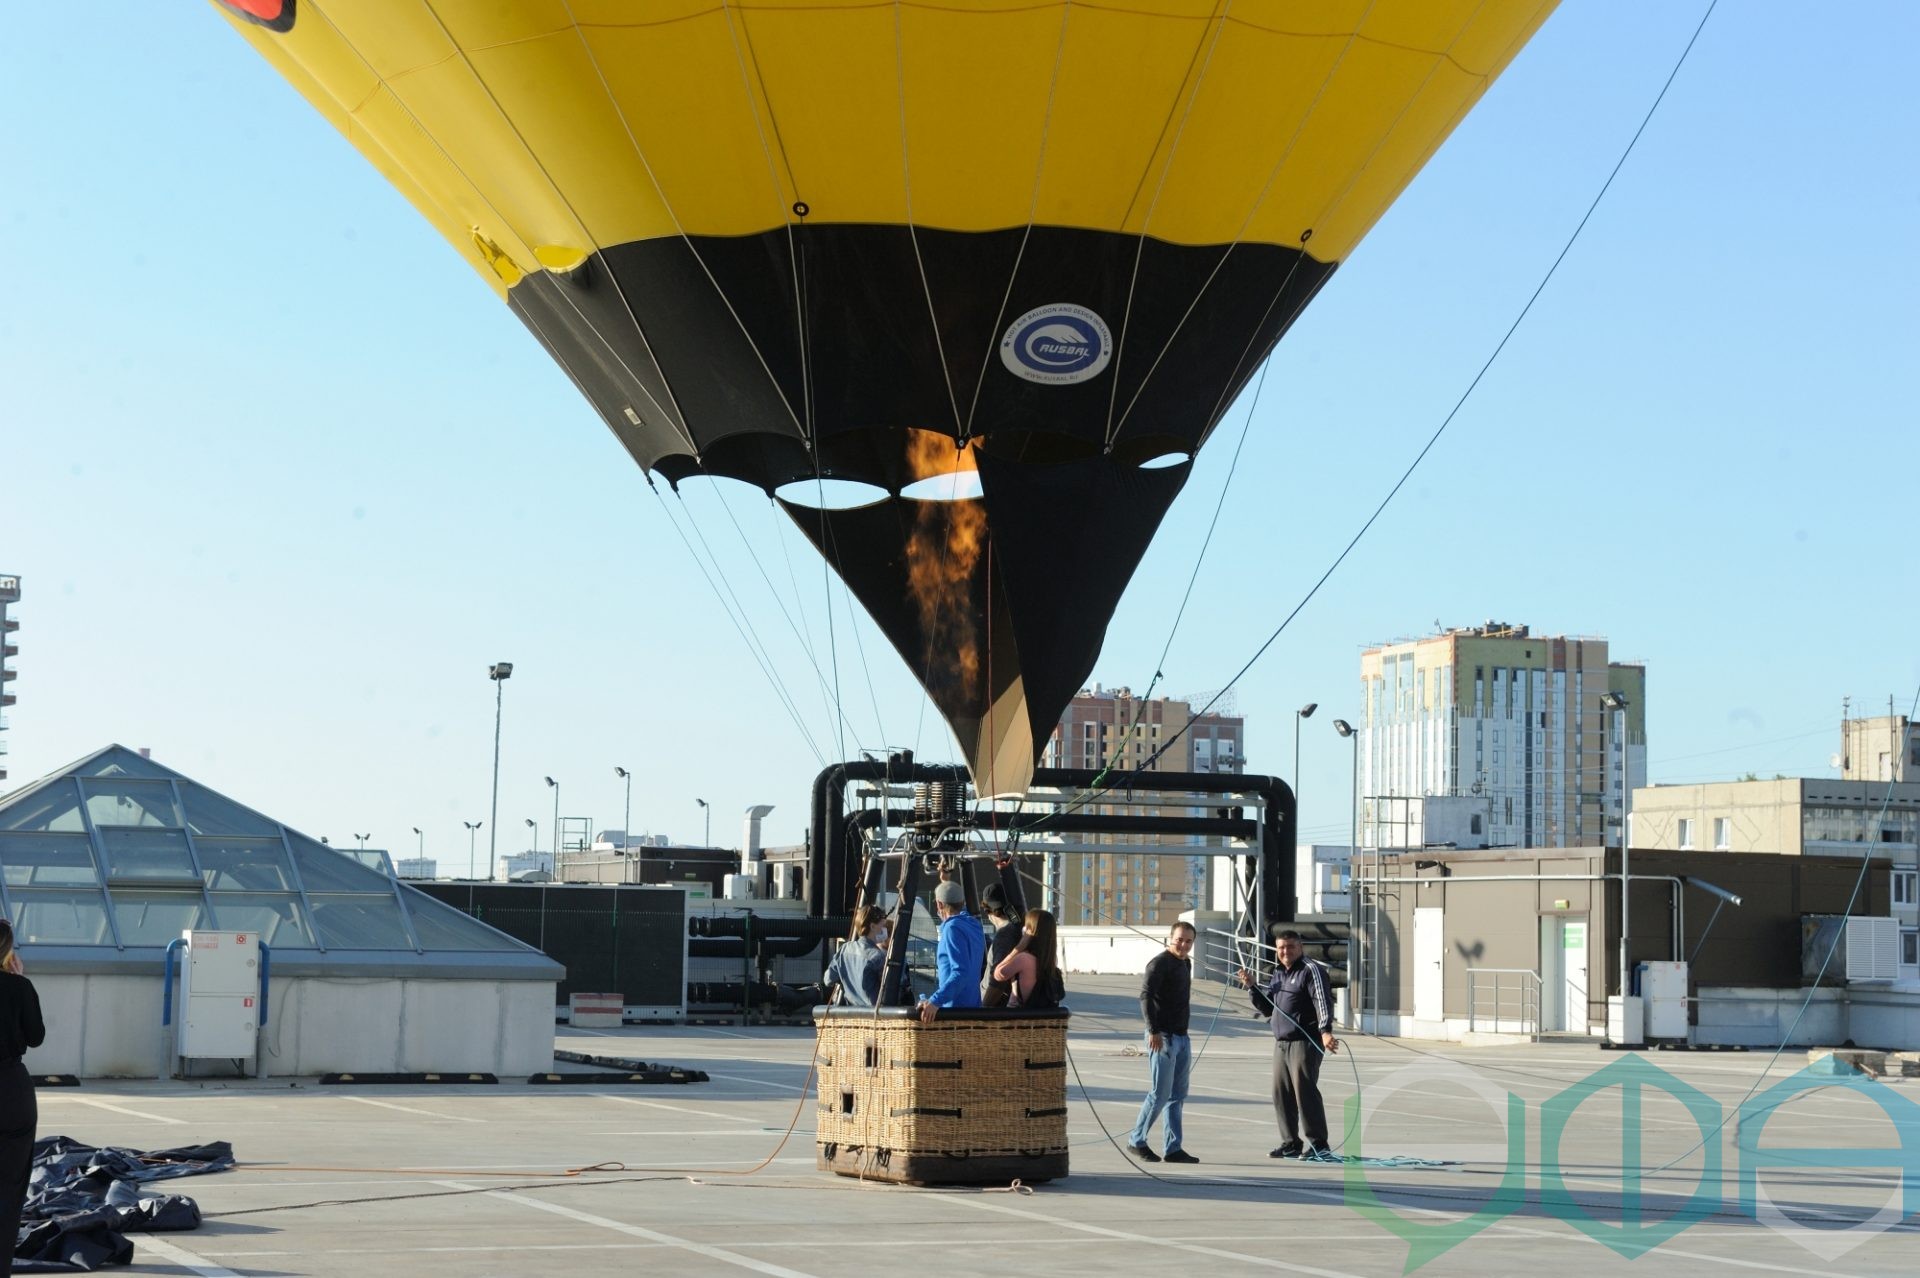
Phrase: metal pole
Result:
[1626,838]
[1353,849]
[1296,776]
[1260,881]
[556,825]
[626,823]
[1374,963]
[493,827]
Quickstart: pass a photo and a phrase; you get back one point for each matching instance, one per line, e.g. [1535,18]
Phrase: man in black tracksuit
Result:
[1299,998]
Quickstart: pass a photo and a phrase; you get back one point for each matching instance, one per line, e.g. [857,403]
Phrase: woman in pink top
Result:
[1033,969]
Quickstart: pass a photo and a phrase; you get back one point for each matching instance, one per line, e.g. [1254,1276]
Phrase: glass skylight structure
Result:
[118,853]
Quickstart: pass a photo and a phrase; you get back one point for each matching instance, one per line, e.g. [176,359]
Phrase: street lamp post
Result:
[472,828]
[421,852]
[626,818]
[362,838]
[1345,729]
[1617,702]
[556,819]
[1304,712]
[536,838]
[708,839]
[499,672]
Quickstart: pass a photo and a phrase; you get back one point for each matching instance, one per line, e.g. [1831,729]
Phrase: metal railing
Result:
[1503,1000]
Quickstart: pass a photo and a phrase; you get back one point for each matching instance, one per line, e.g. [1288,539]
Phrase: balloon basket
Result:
[977,1097]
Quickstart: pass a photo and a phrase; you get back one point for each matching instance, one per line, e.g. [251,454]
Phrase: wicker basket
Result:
[978,1096]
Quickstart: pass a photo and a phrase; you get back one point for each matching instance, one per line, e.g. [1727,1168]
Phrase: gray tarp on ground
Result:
[83,1201]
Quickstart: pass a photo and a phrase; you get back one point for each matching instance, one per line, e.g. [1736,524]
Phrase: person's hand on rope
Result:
[1243,978]
[1329,1042]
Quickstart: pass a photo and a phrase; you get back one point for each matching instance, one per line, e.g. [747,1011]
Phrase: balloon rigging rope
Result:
[745,616]
[1033,207]
[1093,790]
[1216,23]
[853,620]
[675,418]
[640,154]
[829,694]
[913,234]
[1459,403]
[1326,211]
[773,678]
[787,214]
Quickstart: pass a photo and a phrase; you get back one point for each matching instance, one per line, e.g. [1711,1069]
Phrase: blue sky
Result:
[282,477]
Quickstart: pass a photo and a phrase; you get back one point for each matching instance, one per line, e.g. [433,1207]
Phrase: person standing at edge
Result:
[20,1029]
[958,957]
[1007,932]
[1165,996]
[1299,998]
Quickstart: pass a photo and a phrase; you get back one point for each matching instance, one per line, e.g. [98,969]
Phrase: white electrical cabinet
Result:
[219,995]
[1663,992]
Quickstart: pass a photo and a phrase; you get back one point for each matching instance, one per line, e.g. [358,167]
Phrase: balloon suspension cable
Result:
[1466,394]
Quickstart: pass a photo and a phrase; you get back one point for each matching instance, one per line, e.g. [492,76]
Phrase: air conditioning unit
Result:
[1864,949]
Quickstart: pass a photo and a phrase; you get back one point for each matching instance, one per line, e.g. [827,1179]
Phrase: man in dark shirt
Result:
[1165,995]
[1299,998]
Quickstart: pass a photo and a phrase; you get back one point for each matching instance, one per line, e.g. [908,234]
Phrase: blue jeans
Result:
[1167,1073]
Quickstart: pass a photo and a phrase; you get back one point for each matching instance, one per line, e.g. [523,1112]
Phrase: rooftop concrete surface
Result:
[696,1178]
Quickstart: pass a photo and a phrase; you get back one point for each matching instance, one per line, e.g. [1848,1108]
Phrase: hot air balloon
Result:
[1005,263]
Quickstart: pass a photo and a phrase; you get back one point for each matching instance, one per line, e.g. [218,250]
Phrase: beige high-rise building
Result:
[1110,727]
[1516,722]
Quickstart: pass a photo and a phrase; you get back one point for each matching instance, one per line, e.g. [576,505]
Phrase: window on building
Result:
[1906,887]
[1910,947]
[1686,833]
[1722,831]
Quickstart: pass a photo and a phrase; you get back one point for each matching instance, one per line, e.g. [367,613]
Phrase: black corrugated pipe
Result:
[833,855]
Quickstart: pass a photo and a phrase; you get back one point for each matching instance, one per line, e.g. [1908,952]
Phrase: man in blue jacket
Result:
[1299,998]
[958,958]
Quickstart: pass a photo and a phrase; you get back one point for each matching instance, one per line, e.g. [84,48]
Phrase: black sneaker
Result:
[1142,1153]
[1286,1151]
[1319,1154]
[1180,1156]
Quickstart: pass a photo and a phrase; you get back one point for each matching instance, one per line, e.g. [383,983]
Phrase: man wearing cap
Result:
[1006,939]
[958,957]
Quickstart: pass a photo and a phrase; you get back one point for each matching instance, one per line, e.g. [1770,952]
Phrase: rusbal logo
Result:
[1057,344]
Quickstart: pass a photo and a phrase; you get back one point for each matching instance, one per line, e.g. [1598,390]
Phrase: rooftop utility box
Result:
[1863,949]
[219,995]
[1663,992]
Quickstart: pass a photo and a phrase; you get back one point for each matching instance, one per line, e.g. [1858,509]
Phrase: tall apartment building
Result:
[9,594]
[1110,726]
[1514,722]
